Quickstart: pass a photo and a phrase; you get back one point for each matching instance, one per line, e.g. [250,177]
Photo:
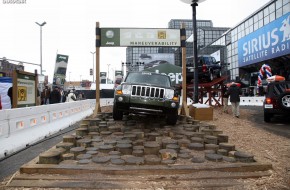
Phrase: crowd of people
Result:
[58,95]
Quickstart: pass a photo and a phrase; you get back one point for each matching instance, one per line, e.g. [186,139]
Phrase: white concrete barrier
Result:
[252,101]
[24,126]
[244,101]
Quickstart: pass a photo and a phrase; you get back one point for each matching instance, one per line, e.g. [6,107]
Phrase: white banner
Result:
[149,37]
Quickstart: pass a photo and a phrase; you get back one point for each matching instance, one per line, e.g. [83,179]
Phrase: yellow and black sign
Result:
[22,93]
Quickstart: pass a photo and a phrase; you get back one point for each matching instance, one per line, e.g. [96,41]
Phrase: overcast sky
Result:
[70,28]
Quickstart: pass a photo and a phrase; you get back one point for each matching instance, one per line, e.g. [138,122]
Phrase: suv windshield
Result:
[148,78]
[207,60]
[280,88]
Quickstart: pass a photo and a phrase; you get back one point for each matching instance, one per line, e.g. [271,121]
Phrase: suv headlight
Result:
[169,93]
[126,89]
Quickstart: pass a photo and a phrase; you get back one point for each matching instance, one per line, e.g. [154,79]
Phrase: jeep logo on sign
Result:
[176,78]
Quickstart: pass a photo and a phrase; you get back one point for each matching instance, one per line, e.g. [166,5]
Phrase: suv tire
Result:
[172,117]
[210,76]
[267,117]
[219,74]
[117,115]
[282,100]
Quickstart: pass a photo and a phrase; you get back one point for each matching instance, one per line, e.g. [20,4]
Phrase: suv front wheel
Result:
[117,115]
[171,117]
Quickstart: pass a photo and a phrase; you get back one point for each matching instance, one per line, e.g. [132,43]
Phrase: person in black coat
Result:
[9,93]
[55,96]
[225,97]
[234,92]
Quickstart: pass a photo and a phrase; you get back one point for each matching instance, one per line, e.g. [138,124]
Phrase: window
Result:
[261,23]
[266,11]
[272,8]
[285,2]
[286,9]
[278,4]
[266,20]
[256,18]
[279,13]
[260,15]
[256,26]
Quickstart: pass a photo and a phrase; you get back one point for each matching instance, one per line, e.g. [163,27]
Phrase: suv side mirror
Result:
[177,87]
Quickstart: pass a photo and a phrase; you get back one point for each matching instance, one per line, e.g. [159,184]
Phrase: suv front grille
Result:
[147,91]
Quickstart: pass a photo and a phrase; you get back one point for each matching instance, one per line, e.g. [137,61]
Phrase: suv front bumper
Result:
[145,105]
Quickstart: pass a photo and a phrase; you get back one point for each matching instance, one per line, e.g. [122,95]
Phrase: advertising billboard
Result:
[155,59]
[111,37]
[60,70]
[24,89]
[173,71]
[270,41]
[118,74]
[103,77]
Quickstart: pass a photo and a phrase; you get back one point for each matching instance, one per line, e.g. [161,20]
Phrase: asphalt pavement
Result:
[10,164]
[279,125]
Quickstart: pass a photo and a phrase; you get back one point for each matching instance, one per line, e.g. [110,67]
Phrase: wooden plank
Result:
[142,169]
[196,180]
[121,185]
[183,177]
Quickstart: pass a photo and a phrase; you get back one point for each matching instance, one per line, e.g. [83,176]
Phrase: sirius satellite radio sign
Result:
[111,37]
[270,41]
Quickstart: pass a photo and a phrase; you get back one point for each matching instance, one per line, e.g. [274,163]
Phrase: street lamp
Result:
[194,4]
[93,66]
[41,25]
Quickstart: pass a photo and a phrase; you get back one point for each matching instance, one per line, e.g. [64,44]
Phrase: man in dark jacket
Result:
[55,96]
[234,92]
[225,96]
[9,93]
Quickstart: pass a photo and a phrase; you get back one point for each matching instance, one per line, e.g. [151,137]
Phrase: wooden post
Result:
[184,108]
[98,44]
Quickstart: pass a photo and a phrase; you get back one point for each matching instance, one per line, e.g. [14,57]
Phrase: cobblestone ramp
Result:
[141,152]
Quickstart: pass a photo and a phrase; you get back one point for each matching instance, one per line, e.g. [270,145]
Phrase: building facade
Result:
[263,38]
[7,68]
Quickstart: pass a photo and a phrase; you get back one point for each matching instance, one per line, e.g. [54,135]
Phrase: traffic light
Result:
[91,71]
